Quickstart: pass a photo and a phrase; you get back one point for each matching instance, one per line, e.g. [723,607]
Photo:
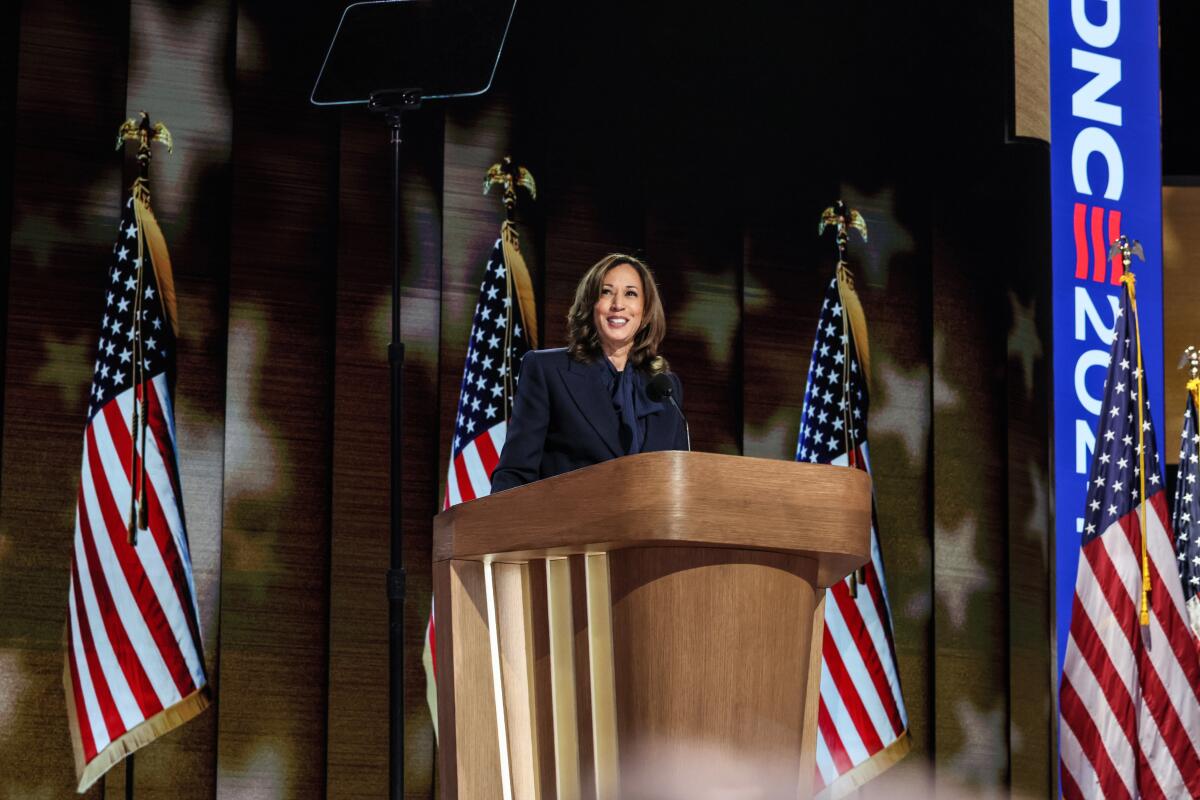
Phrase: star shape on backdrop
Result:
[1024,344]
[982,758]
[959,574]
[900,405]
[1037,521]
[65,367]
[710,313]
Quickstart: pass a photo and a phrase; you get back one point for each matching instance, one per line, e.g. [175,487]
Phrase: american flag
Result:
[1128,699]
[134,661]
[862,726]
[1187,511]
[498,341]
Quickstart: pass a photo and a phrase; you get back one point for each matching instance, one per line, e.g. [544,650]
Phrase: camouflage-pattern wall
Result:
[708,142]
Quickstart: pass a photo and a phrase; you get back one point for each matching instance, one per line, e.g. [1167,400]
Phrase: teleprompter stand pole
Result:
[393,104]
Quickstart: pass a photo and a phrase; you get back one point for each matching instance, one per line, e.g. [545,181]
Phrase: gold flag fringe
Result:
[871,768]
[853,309]
[515,262]
[131,741]
[1144,609]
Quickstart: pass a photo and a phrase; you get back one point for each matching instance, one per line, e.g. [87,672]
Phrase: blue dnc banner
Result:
[1106,180]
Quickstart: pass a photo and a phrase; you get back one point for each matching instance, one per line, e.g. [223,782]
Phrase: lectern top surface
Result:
[672,499]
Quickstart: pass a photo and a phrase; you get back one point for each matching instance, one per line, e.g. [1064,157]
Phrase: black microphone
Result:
[660,388]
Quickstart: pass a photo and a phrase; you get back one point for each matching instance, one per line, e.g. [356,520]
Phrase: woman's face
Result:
[618,312]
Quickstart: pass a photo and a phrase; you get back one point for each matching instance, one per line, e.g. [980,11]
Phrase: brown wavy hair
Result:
[583,340]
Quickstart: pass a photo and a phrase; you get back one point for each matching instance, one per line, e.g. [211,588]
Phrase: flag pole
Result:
[1128,248]
[844,218]
[145,134]
[142,132]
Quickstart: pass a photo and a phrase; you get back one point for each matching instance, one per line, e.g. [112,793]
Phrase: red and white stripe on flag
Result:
[134,662]
[862,725]
[470,472]
[1130,694]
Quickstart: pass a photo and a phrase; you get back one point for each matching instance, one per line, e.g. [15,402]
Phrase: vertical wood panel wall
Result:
[277,215]
[65,196]
[278,444]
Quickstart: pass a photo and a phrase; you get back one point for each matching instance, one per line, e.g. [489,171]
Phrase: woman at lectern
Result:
[587,402]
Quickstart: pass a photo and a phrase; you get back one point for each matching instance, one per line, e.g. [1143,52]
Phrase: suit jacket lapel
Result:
[592,399]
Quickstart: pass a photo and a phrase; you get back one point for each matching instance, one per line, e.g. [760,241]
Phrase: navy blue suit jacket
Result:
[563,419]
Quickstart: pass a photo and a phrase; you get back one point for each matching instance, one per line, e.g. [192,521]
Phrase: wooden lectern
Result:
[601,624]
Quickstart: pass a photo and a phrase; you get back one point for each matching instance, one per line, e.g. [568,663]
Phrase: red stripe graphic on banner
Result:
[1099,251]
[1114,233]
[1081,248]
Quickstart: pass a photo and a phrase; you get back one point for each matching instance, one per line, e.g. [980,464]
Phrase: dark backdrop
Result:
[707,140]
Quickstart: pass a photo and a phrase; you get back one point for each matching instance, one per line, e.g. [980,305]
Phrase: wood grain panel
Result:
[10,48]
[583,678]
[178,72]
[1181,259]
[539,612]
[469,764]
[560,618]
[970,550]
[600,676]
[1033,723]
[65,196]
[733,627]
[275,554]
[1031,68]
[514,612]
[812,698]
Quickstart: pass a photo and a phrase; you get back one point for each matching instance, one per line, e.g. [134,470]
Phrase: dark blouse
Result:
[630,402]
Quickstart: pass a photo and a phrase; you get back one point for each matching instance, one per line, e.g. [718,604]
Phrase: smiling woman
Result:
[586,403]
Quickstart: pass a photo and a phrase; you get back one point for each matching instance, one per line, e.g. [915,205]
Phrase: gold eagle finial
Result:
[844,218]
[141,131]
[509,176]
[1126,247]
